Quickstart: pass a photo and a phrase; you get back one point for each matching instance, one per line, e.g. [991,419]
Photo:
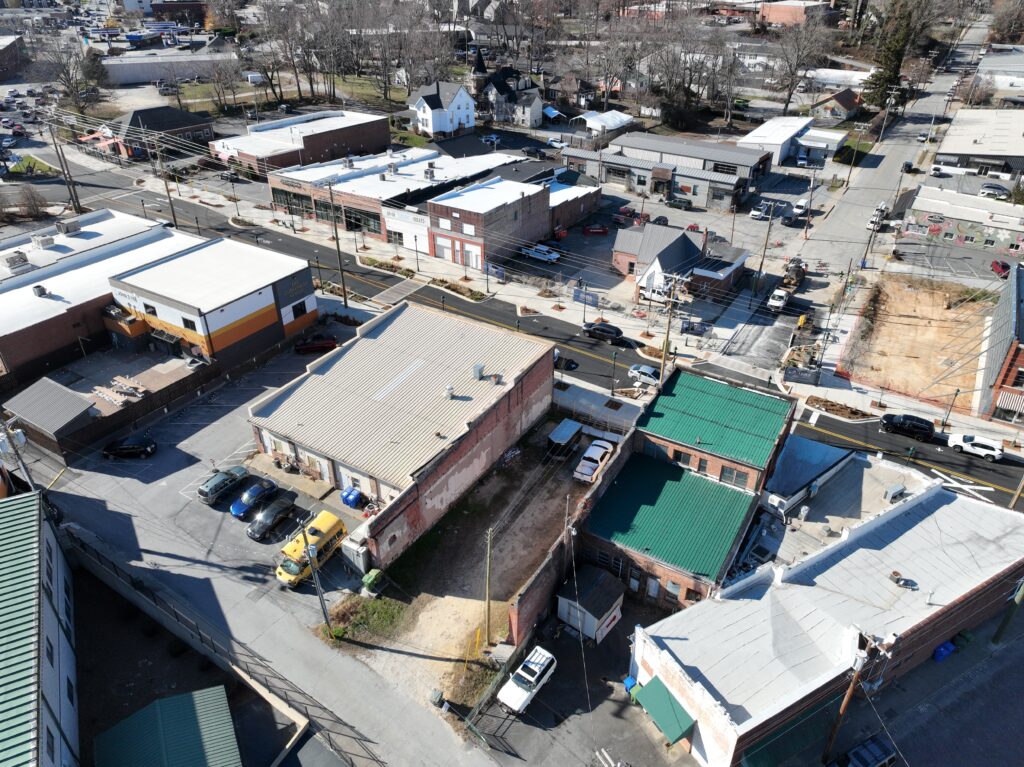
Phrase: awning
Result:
[1009,400]
[551,112]
[163,335]
[665,710]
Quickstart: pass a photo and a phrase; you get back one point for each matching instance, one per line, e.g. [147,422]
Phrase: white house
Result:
[528,111]
[443,109]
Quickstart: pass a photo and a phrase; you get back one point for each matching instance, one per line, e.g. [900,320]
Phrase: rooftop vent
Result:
[42,240]
[39,290]
[896,577]
[478,371]
[430,163]
[348,162]
[429,174]
[382,177]
[449,392]
[71,226]
[392,168]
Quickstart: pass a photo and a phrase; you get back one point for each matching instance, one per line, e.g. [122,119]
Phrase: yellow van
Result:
[326,532]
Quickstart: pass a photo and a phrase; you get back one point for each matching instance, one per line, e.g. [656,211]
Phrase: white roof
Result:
[821,137]
[6,40]
[378,403]
[564,192]
[775,637]
[487,195]
[363,179]
[77,268]
[599,122]
[986,132]
[969,207]
[170,58]
[278,136]
[846,77]
[778,130]
[213,274]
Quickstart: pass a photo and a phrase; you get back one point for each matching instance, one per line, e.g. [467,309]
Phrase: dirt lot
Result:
[435,644]
[919,337]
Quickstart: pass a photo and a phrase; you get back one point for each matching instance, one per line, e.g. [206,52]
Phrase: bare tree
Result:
[225,77]
[978,90]
[62,63]
[802,46]
[31,204]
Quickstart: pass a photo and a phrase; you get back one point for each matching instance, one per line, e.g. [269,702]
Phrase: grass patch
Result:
[462,290]
[466,685]
[846,154]
[837,408]
[30,165]
[362,618]
[970,296]
[363,88]
[408,138]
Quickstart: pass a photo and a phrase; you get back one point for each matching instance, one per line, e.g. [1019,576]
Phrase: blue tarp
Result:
[551,113]
[801,461]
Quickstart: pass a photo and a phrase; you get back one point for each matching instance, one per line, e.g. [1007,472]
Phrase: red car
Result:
[595,229]
[693,228]
[1001,269]
[626,211]
[316,344]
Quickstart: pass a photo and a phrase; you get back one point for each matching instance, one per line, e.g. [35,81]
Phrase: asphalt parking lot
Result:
[583,710]
[124,500]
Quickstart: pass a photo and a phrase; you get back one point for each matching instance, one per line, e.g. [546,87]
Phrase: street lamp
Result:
[235,198]
[144,209]
[611,385]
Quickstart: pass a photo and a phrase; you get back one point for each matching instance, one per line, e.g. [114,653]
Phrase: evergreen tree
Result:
[893,40]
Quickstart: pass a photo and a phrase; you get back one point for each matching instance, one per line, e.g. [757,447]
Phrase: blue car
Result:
[258,492]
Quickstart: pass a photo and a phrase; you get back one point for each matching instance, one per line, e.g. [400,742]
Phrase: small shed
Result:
[591,602]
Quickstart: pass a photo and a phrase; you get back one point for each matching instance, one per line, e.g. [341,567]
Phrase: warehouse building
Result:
[411,412]
[303,139]
[757,674]
[136,67]
[985,142]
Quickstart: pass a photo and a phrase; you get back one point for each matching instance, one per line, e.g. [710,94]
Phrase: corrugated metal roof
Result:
[772,639]
[676,516]
[722,419]
[48,405]
[189,730]
[378,403]
[615,158]
[704,150]
[19,629]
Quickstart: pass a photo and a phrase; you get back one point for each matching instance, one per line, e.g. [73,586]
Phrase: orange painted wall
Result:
[243,328]
[303,322]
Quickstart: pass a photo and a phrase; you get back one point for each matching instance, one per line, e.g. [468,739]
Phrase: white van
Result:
[801,159]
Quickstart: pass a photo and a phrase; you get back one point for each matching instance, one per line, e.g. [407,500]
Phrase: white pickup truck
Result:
[541,253]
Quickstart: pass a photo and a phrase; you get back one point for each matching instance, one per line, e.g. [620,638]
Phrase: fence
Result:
[170,611]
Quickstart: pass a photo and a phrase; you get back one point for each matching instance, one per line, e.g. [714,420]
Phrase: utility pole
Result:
[337,246]
[1016,495]
[668,331]
[66,171]
[1004,624]
[8,438]
[611,386]
[861,127]
[949,410]
[311,554]
[810,204]
[167,187]
[893,90]
[858,666]
[487,589]
[764,251]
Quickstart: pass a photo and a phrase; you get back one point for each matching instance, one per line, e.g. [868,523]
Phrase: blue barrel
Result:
[943,651]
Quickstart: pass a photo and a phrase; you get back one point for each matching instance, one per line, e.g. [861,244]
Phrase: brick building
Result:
[483,221]
[411,412]
[360,192]
[131,135]
[669,520]
[304,139]
[756,674]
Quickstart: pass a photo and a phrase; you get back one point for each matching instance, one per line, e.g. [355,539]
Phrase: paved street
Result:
[971,474]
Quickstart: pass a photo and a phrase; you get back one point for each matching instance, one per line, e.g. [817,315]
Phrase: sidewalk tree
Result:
[31,204]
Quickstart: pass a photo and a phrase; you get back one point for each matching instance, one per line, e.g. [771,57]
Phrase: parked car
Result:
[557,143]
[7,122]
[260,491]
[595,229]
[228,175]
[989,449]
[270,516]
[790,220]
[285,109]
[316,344]
[922,136]
[777,300]
[540,253]
[876,751]
[30,91]
[761,211]
[532,151]
[1001,269]
[907,167]
[602,331]
[491,138]
[523,685]
[801,207]
[644,374]
[130,447]
[14,92]
[936,171]
[908,426]
[679,204]
[994,190]
[593,460]
[693,228]
[660,220]
[220,484]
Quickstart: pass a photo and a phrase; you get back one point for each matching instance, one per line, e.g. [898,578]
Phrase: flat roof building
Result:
[749,164]
[411,412]
[989,142]
[147,66]
[775,651]
[948,217]
[304,139]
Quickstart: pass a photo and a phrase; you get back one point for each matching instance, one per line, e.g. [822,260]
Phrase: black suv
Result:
[270,516]
[131,447]
[909,425]
[602,331]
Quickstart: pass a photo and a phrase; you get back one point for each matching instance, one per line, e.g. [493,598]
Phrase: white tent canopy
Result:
[598,122]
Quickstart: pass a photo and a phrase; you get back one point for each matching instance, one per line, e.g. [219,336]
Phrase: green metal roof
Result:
[189,730]
[679,517]
[719,418]
[20,630]
[668,713]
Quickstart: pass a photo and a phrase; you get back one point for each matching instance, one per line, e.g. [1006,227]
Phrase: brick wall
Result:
[715,463]
[571,212]
[365,138]
[624,264]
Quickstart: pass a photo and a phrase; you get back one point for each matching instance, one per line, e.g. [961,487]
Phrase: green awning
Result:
[664,709]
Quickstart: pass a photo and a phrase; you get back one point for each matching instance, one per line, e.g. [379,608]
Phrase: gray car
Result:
[220,484]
